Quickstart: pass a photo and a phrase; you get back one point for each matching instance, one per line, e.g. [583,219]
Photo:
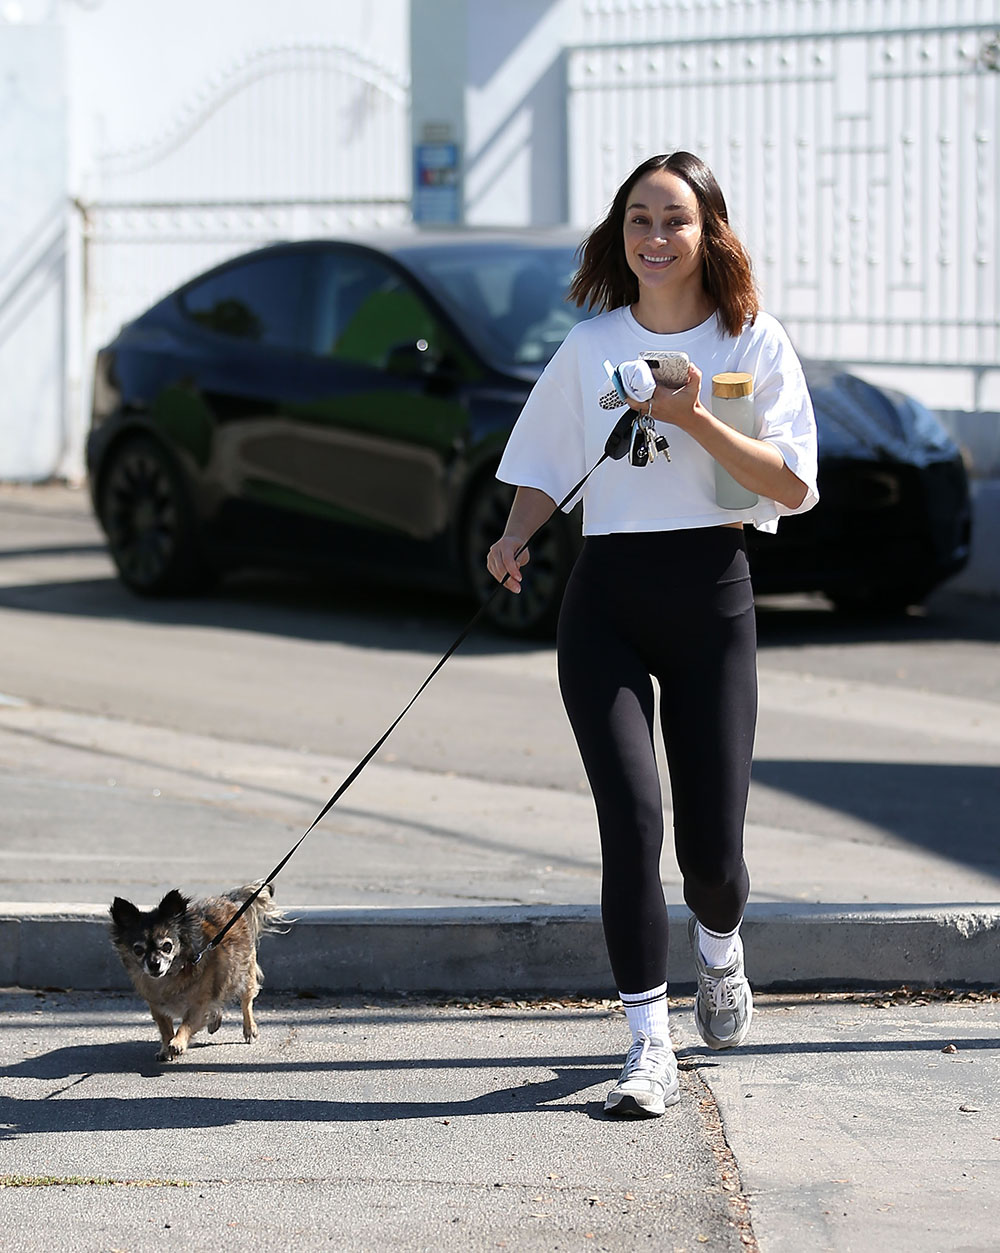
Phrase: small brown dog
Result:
[158,950]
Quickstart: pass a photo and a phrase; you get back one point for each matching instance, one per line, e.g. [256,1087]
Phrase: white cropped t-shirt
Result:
[562,429]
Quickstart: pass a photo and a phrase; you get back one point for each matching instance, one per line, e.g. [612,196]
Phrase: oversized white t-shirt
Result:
[562,429]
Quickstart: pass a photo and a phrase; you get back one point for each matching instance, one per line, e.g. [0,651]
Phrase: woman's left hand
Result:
[680,406]
[754,463]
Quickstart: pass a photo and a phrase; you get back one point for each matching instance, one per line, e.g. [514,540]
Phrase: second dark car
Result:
[344,404]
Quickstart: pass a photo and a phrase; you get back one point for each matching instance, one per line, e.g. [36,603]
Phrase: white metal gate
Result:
[856,142]
[297,140]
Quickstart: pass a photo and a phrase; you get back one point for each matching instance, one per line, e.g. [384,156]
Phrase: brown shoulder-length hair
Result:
[604,280]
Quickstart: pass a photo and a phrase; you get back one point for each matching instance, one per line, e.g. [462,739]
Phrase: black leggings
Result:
[676,606]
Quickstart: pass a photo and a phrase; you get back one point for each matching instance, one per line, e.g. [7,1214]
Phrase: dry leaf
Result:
[949,1048]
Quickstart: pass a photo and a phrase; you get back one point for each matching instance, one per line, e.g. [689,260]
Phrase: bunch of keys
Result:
[633,383]
[646,442]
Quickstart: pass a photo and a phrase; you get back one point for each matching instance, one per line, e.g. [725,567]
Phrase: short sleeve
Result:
[784,414]
[546,449]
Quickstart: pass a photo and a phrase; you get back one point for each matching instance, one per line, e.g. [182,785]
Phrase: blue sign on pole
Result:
[435,183]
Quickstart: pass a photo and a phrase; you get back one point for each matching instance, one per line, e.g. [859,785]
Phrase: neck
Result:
[669,313]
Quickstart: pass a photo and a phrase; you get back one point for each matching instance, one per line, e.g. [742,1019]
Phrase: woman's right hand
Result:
[504,561]
[531,508]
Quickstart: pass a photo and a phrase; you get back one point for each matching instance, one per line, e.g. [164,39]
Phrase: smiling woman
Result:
[662,587]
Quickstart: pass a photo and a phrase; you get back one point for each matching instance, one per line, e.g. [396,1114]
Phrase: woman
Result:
[662,589]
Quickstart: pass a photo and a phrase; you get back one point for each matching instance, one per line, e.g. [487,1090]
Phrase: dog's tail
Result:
[263,915]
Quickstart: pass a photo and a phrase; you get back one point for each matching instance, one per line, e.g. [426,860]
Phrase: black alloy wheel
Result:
[148,522]
[533,612]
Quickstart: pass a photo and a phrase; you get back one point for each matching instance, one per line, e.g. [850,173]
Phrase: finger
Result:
[513,564]
[501,564]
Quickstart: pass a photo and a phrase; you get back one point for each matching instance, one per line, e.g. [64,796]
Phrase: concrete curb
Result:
[537,949]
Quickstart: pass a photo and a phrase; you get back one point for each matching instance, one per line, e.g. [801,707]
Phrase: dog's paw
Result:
[250,1033]
[170,1051]
[215,1022]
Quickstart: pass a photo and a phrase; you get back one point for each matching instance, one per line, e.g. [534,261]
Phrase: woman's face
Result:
[662,232]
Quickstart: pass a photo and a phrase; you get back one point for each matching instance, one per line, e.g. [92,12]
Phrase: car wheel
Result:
[534,611]
[147,518]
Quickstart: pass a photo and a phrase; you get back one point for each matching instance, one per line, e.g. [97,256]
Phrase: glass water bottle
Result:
[732,403]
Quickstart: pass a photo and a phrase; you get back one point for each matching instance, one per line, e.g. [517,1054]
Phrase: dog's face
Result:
[154,941]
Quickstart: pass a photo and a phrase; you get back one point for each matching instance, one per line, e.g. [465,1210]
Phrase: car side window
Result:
[365,310]
[261,300]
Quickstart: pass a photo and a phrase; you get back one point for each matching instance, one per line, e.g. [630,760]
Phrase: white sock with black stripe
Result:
[648,1012]
[718,948]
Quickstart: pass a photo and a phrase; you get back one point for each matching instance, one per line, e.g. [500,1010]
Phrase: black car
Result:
[344,404]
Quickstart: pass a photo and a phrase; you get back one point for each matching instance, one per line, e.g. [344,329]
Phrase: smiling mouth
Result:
[656,262]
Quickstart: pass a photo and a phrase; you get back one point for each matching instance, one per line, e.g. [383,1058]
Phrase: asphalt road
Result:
[152,741]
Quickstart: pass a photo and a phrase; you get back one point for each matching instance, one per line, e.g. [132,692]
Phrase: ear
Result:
[122,912]
[173,905]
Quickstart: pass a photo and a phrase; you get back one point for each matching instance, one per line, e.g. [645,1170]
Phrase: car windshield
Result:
[509,298]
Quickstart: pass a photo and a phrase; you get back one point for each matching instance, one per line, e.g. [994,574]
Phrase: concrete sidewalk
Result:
[851,1122]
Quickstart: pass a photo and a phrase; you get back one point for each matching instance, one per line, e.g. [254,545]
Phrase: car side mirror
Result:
[411,359]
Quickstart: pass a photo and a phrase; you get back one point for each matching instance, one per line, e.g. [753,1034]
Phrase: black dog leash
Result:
[616,447]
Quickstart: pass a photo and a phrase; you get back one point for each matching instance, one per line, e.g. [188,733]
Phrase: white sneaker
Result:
[723,1004]
[648,1083]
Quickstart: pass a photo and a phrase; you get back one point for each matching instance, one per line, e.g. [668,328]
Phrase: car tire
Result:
[147,517]
[533,612]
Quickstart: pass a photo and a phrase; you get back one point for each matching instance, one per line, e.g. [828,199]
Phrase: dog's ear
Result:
[122,912]
[173,905]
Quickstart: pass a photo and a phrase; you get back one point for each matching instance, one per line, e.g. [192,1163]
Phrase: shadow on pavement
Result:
[209,1056]
[155,1113]
[949,810]
[374,615]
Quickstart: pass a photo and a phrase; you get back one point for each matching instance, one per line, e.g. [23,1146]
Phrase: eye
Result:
[138,949]
[167,946]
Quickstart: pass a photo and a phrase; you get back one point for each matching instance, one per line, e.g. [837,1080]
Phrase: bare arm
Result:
[530,510]
[759,466]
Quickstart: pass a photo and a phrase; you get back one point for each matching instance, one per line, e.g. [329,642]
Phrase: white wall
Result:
[515,111]
[32,250]
[491,78]
[137,68]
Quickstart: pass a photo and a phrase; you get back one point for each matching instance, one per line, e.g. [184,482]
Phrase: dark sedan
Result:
[335,404]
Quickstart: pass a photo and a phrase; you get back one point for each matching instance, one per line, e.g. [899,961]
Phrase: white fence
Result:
[856,144]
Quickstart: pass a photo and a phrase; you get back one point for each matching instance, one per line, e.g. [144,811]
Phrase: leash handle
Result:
[614,443]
